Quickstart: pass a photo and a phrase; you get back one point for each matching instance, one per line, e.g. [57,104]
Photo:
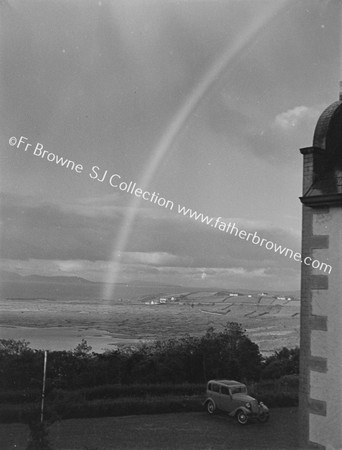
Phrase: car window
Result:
[215,388]
[238,390]
[224,390]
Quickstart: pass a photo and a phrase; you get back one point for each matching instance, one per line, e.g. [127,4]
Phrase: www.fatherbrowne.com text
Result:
[254,238]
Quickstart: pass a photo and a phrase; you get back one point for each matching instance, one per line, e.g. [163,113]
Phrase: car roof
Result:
[227,382]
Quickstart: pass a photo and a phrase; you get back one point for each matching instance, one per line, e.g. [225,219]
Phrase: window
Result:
[224,390]
[239,390]
[215,388]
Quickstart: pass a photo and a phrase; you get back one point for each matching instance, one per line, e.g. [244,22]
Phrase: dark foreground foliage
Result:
[229,354]
[283,362]
[166,376]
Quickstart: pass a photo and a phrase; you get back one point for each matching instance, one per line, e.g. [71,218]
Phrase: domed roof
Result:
[326,124]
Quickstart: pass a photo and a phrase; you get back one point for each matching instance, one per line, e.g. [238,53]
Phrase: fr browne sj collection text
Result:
[114,180]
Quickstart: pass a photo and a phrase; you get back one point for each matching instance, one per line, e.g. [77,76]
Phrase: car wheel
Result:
[263,418]
[210,407]
[241,417]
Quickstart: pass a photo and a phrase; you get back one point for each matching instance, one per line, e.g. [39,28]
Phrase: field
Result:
[62,315]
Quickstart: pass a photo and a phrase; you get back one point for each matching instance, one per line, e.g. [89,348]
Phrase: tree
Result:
[282,362]
[249,359]
[82,350]
[14,347]
[229,354]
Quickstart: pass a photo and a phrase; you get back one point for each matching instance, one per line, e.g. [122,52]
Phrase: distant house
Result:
[168,299]
[281,298]
[233,294]
[162,300]
[152,302]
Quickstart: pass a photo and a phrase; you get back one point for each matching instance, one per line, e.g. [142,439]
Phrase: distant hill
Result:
[11,276]
[57,279]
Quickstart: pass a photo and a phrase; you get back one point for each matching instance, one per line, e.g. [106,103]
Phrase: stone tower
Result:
[320,396]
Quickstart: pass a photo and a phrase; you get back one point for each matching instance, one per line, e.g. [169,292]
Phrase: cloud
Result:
[91,270]
[37,230]
[113,205]
[268,277]
[262,226]
[152,258]
[277,140]
[268,134]
[53,239]
[236,277]
[295,117]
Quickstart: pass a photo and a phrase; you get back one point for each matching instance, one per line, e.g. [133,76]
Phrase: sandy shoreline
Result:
[62,324]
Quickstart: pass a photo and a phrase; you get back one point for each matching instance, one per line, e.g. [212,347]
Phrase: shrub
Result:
[22,396]
[283,362]
[279,400]
[135,390]
[290,381]
[10,413]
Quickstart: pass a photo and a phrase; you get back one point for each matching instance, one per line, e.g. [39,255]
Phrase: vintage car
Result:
[231,396]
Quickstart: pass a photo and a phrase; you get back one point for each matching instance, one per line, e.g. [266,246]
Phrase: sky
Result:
[204,102]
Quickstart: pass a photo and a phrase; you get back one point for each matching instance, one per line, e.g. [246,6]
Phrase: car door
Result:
[215,393]
[236,400]
[225,399]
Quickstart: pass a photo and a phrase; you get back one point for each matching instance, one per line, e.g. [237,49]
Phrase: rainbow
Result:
[177,123]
